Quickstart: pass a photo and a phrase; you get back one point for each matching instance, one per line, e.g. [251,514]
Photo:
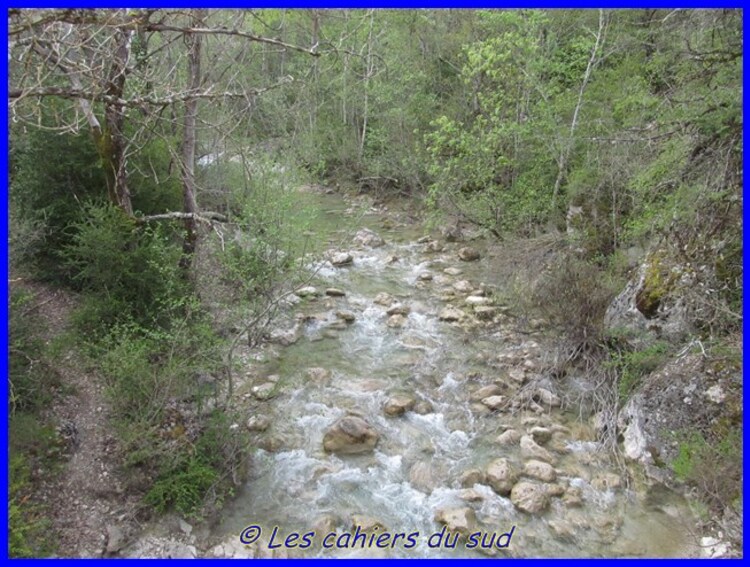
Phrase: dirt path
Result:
[86,500]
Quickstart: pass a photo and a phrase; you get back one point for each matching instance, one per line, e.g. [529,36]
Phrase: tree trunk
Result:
[562,162]
[112,143]
[190,205]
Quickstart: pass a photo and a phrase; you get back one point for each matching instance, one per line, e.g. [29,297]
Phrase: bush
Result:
[574,295]
[713,468]
[131,273]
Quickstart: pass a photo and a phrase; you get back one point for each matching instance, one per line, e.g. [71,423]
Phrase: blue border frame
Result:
[351,4]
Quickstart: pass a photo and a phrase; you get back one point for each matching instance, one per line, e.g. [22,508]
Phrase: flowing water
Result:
[415,468]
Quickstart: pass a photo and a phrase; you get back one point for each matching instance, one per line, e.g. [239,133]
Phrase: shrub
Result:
[574,295]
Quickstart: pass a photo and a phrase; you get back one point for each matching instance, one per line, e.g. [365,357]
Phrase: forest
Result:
[302,267]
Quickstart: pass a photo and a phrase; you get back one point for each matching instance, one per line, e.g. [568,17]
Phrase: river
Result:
[424,459]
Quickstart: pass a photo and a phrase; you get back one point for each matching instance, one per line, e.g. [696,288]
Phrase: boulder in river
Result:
[509,437]
[471,477]
[547,398]
[366,237]
[423,407]
[485,392]
[540,471]
[468,254]
[341,259]
[460,520]
[307,291]
[463,286]
[422,477]
[346,316]
[384,298]
[318,375]
[501,476]
[531,450]
[451,271]
[485,312]
[434,246]
[451,314]
[396,321]
[258,423]
[335,292]
[530,497]
[398,405]
[398,309]
[495,402]
[350,435]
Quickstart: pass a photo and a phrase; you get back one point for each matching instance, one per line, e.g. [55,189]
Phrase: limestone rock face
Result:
[350,435]
[652,305]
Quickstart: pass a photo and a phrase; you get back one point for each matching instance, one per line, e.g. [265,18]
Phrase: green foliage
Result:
[28,530]
[131,273]
[30,379]
[713,467]
[51,176]
[634,365]
[183,487]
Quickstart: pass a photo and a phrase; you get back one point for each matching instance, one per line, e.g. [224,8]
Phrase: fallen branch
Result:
[207,217]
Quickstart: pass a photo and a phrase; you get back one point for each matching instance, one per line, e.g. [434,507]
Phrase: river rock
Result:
[485,312]
[509,437]
[366,237]
[318,374]
[341,259]
[346,316]
[396,321]
[495,402]
[384,298]
[434,246]
[453,271]
[606,480]
[366,523]
[285,337]
[335,292]
[471,477]
[325,524]
[477,300]
[470,495]
[541,435]
[485,392]
[398,405]
[530,450]
[451,314]
[350,435]
[459,520]
[547,398]
[115,539]
[307,291]
[423,239]
[540,471]
[501,476]
[517,375]
[573,497]
[425,277]
[258,423]
[529,497]
[422,478]
[423,407]
[463,286]
[398,309]
[265,391]
[468,254]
